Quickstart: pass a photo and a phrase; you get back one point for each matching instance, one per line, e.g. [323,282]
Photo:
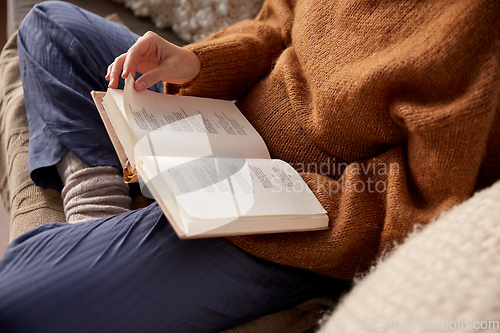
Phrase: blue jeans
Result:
[128,272]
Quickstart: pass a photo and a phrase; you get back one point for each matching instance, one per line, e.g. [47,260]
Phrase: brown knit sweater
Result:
[389,109]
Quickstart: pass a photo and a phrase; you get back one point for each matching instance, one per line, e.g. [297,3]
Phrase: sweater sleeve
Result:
[445,99]
[234,59]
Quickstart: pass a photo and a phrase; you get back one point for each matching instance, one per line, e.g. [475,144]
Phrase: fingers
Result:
[114,71]
[149,78]
[157,59]
[127,63]
[144,46]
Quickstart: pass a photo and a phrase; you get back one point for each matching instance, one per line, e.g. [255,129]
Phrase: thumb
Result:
[149,78]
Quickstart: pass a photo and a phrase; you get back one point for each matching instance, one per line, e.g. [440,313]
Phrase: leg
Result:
[130,273]
[64,52]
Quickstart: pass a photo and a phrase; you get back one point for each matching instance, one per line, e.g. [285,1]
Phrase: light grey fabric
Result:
[445,278]
[91,192]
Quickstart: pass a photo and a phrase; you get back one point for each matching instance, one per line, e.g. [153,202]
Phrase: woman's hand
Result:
[158,60]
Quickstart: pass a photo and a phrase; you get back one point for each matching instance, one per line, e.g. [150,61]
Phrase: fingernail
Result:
[141,85]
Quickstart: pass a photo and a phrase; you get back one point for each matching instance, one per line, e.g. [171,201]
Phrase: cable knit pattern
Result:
[389,110]
[194,20]
[450,271]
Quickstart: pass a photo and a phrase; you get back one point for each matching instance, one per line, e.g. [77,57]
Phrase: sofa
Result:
[444,277]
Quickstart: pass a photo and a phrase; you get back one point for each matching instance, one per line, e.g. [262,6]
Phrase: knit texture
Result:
[28,205]
[91,192]
[447,273]
[194,20]
[388,109]
[299,319]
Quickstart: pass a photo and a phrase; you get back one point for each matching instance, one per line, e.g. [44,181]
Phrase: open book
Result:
[205,165]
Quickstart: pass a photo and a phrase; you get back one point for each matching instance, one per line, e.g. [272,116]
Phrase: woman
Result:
[388,110]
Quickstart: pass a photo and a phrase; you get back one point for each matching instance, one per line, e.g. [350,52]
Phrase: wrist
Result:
[194,65]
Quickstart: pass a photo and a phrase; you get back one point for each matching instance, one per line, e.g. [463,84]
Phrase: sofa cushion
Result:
[27,205]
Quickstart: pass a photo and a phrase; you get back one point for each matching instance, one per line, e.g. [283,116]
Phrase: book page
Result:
[120,126]
[188,126]
[211,192]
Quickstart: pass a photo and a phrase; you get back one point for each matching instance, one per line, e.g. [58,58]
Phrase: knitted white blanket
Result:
[445,278]
[193,20]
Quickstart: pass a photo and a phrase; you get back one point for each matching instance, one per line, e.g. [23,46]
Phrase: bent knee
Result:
[45,16]
[36,14]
